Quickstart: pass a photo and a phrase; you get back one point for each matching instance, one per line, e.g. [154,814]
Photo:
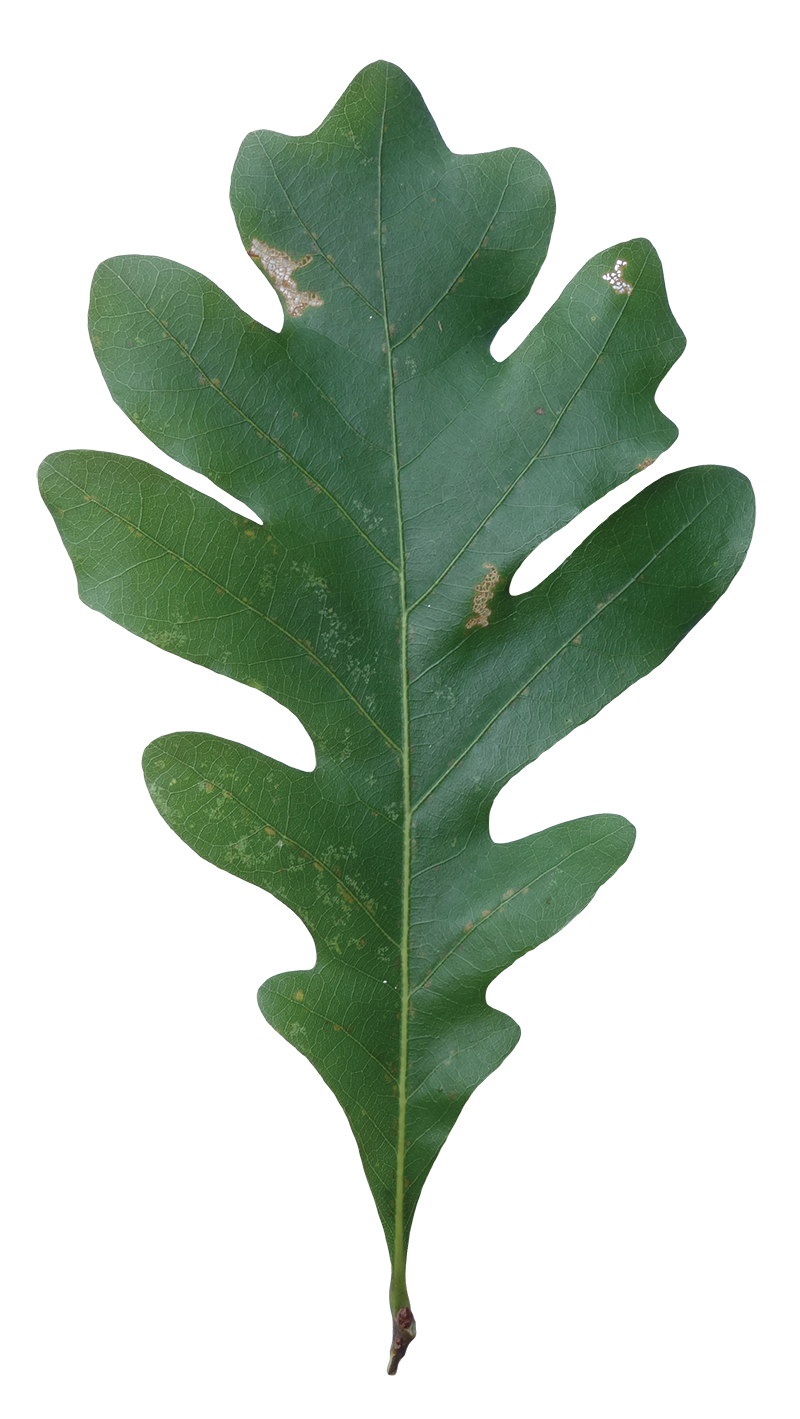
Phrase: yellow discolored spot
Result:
[269,830]
[299,995]
[209,788]
[318,866]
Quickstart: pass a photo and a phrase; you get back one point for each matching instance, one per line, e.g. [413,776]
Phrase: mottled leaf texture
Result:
[401,475]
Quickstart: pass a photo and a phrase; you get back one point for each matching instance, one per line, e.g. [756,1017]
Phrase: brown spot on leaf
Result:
[484,591]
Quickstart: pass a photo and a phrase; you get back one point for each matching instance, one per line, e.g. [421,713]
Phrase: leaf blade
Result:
[401,474]
[207,588]
[596,600]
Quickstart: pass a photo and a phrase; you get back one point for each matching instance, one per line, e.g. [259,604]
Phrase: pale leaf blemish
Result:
[279,266]
[622,287]
[484,591]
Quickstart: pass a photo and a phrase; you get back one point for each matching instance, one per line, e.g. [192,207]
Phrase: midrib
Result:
[398,1259]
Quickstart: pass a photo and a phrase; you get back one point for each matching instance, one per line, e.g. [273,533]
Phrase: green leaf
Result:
[401,475]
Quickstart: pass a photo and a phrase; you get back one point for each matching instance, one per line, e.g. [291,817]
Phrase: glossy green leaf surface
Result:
[401,475]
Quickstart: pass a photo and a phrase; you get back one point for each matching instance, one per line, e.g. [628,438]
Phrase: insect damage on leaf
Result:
[618,284]
[384,484]
[279,267]
[484,591]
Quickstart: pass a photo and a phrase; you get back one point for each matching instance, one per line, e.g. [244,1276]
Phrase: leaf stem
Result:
[403,1323]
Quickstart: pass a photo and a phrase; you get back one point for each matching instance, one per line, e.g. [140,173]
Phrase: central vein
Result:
[398,1259]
